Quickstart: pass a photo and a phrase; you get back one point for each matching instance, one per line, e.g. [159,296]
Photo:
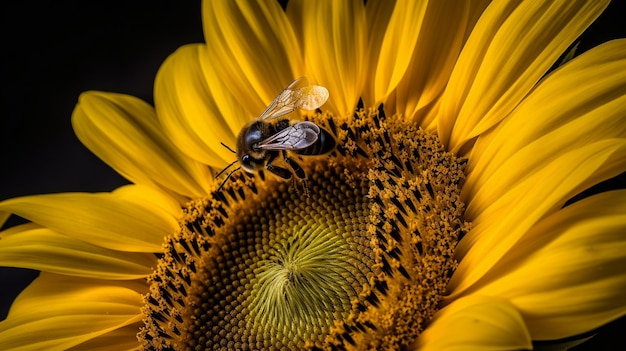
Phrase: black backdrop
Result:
[54,51]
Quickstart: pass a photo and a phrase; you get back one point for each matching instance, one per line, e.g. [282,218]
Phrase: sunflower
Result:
[438,211]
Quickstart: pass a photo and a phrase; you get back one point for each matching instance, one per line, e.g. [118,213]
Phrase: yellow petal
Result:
[475,323]
[195,108]
[124,132]
[30,246]
[124,338]
[397,45]
[378,14]
[567,275]
[253,48]
[581,103]
[509,216]
[510,49]
[102,219]
[153,200]
[441,37]
[57,312]
[333,35]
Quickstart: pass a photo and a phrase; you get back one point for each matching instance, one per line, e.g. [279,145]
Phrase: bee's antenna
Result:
[225,168]
[229,149]
[228,176]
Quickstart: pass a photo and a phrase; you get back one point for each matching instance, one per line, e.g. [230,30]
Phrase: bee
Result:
[266,138]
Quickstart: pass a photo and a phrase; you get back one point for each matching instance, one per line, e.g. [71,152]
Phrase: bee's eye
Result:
[247,163]
[245,159]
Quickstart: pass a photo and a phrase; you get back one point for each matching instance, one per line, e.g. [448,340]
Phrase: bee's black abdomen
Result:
[324,143]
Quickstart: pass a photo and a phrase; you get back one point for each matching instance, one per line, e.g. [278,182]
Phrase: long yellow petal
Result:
[195,108]
[397,46]
[57,312]
[509,50]
[579,104]
[150,199]
[567,275]
[253,48]
[476,323]
[30,246]
[124,132]
[333,35]
[441,37]
[378,14]
[512,214]
[102,219]
[124,338]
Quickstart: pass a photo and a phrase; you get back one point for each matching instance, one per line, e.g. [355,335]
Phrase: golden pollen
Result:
[357,257]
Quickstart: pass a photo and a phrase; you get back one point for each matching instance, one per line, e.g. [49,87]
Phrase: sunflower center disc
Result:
[357,257]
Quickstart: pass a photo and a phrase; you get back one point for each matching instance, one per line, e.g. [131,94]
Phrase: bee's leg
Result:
[279,171]
[299,172]
[305,188]
[297,169]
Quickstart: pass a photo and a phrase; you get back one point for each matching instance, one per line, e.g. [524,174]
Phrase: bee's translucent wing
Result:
[295,137]
[312,97]
[299,94]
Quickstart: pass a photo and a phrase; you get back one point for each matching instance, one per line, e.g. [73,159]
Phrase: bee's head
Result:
[250,158]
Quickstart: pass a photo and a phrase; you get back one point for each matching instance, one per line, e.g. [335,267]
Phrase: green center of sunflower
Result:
[357,257]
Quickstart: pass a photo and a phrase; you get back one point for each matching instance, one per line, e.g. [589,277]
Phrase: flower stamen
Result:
[362,262]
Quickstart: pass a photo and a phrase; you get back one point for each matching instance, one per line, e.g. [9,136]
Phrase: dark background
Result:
[54,51]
